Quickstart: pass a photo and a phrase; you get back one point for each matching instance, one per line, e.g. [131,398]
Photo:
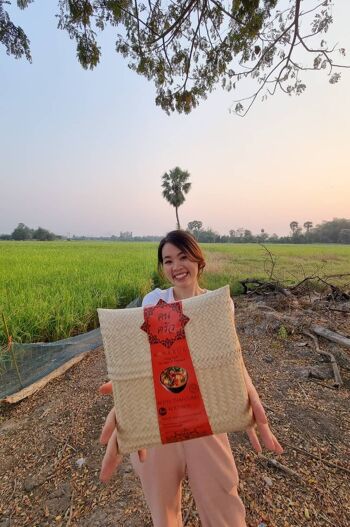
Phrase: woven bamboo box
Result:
[216,356]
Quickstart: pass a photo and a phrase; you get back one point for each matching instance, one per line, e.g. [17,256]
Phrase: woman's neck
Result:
[188,292]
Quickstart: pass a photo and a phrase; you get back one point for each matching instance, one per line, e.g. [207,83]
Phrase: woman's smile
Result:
[180,276]
[178,268]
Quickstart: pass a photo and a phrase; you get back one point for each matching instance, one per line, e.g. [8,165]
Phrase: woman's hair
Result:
[184,241]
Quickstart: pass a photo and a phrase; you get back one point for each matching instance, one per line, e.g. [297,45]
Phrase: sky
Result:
[83,152]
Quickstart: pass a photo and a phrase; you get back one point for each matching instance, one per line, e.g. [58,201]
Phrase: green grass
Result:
[228,263]
[50,290]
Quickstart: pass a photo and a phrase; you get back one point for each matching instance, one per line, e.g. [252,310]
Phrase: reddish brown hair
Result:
[184,241]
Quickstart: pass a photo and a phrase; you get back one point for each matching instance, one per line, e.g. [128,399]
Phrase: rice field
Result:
[50,290]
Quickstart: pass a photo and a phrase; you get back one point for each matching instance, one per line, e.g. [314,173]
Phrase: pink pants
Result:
[212,475]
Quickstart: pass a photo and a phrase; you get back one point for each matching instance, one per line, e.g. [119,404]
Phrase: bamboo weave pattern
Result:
[216,356]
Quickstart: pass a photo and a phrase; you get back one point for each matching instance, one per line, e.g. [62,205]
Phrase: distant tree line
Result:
[334,231]
[22,232]
[123,237]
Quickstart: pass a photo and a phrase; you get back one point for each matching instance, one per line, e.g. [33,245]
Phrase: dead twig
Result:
[14,490]
[337,377]
[256,347]
[272,260]
[345,311]
[263,288]
[323,384]
[70,509]
[337,275]
[327,519]
[319,458]
[302,389]
[61,452]
[276,464]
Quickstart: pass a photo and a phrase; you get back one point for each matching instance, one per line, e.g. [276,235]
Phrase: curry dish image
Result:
[174,379]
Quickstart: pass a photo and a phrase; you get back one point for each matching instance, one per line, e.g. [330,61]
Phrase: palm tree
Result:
[294,226]
[308,225]
[175,185]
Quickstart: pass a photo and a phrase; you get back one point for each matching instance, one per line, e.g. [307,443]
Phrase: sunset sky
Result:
[83,152]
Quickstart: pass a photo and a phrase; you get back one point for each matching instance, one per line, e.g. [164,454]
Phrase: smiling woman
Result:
[208,460]
[181,260]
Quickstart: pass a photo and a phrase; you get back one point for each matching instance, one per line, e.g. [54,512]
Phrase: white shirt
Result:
[152,298]
[167,295]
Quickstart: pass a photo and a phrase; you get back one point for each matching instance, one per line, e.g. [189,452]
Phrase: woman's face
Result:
[177,268]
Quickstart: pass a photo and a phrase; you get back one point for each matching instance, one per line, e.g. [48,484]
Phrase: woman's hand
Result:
[108,437]
[262,425]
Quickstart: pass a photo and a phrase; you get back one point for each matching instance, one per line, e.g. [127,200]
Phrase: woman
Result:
[208,460]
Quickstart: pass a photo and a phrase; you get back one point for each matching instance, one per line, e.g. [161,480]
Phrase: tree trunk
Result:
[177,218]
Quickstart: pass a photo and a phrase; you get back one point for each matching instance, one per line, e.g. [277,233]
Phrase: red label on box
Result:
[180,408]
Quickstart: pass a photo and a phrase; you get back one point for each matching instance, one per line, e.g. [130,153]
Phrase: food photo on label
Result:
[174,379]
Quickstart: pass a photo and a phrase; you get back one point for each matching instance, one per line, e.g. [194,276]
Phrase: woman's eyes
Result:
[182,258]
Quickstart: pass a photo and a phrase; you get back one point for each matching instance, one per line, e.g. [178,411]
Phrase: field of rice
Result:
[50,290]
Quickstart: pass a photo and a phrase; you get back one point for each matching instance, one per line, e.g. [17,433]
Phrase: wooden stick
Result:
[337,377]
[331,335]
[347,312]
[327,520]
[324,461]
[337,275]
[276,464]
[14,489]
[323,384]
[70,509]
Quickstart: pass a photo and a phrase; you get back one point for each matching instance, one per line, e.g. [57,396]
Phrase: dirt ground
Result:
[50,454]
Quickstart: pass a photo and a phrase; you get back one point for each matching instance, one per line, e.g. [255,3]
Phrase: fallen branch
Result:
[337,377]
[263,287]
[271,258]
[337,293]
[276,464]
[337,275]
[323,384]
[324,461]
[304,281]
[250,281]
[70,509]
[327,519]
[14,489]
[331,335]
[345,311]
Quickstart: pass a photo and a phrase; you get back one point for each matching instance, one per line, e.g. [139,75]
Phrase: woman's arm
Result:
[262,426]
[112,458]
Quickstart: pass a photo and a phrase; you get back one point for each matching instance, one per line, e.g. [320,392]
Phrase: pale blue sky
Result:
[82,152]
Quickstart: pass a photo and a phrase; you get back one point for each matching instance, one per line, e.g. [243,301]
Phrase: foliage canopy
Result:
[333,231]
[22,232]
[188,47]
